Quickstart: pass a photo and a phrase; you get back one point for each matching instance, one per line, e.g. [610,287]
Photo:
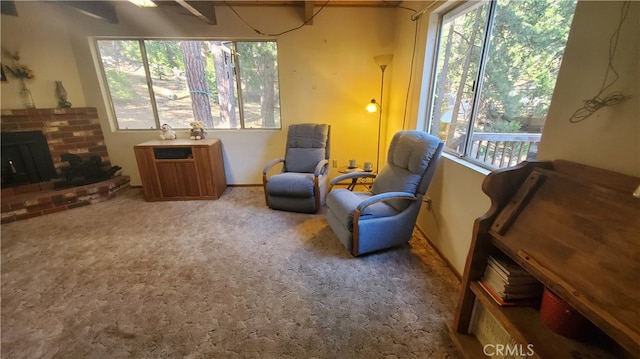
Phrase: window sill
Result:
[461,161]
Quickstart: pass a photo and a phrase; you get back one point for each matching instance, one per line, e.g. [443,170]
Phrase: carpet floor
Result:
[229,278]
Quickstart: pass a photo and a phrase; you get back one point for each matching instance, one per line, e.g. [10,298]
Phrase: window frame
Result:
[108,99]
[437,19]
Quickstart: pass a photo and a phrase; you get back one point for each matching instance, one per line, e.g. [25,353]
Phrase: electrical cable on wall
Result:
[280,33]
[597,102]
[413,56]
[414,17]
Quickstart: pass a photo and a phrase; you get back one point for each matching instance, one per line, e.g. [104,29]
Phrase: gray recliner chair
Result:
[302,184]
[385,216]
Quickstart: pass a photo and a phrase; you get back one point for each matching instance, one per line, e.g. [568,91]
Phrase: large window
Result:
[225,84]
[496,68]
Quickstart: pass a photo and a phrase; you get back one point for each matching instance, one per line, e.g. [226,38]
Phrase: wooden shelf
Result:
[590,267]
[525,326]
[473,348]
[575,229]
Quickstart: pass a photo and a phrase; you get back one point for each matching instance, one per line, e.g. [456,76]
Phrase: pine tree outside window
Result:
[496,68]
[224,84]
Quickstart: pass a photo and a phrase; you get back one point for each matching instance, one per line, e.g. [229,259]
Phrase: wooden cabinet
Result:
[576,229]
[181,169]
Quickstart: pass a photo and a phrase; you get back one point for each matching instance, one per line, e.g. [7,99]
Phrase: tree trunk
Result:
[116,55]
[463,77]
[196,80]
[437,106]
[225,82]
[266,71]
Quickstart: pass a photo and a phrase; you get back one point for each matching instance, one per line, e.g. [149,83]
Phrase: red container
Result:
[560,317]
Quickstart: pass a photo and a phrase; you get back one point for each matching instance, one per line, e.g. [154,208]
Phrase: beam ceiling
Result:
[205,10]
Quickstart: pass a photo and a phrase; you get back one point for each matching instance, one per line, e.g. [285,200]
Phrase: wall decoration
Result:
[62,95]
[22,73]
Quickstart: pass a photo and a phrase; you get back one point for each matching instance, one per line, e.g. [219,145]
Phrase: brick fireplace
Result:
[68,130]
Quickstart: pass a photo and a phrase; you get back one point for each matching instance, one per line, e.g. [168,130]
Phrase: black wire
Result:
[413,56]
[401,7]
[280,33]
[597,102]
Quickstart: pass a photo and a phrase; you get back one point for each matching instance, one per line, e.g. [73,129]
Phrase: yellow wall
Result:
[43,44]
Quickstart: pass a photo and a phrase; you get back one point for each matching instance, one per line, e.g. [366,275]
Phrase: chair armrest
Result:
[321,168]
[385,197]
[271,164]
[352,175]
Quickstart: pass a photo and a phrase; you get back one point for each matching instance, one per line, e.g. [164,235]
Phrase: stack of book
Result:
[508,283]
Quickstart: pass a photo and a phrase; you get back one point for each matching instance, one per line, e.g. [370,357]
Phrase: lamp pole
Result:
[382,68]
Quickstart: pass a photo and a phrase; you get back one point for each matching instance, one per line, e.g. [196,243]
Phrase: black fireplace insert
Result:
[25,158]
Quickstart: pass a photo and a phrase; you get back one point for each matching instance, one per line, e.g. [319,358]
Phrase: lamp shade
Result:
[383,60]
[372,106]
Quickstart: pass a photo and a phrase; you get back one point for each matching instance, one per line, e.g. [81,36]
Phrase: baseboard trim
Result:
[453,269]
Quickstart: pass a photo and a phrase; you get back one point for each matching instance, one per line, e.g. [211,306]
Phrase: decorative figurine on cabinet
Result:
[197,130]
[167,133]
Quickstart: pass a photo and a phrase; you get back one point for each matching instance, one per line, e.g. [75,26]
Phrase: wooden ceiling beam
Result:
[205,10]
[308,13]
[103,10]
[366,3]
[8,7]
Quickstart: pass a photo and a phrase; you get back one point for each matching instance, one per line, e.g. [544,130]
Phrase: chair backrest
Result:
[307,144]
[411,162]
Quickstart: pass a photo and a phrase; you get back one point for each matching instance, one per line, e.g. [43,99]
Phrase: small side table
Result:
[354,181]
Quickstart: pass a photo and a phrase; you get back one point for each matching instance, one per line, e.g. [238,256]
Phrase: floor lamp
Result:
[383,61]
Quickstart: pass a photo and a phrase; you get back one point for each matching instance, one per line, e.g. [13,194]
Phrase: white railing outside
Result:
[501,150]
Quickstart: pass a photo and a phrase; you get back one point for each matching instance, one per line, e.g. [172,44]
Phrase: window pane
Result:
[527,44]
[225,107]
[203,89]
[459,52]
[259,84]
[512,82]
[126,79]
[192,80]
[170,89]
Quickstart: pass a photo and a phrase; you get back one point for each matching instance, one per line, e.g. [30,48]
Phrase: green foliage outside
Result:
[251,56]
[120,86]
[526,45]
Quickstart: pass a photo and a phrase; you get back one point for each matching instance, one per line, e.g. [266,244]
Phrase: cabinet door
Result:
[178,179]
[148,175]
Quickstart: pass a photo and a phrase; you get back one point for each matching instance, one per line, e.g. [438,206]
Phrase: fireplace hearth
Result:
[75,131]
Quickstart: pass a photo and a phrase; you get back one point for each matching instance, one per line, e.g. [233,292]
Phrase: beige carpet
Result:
[214,279]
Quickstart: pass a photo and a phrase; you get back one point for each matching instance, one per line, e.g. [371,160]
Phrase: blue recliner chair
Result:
[302,184]
[385,216]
